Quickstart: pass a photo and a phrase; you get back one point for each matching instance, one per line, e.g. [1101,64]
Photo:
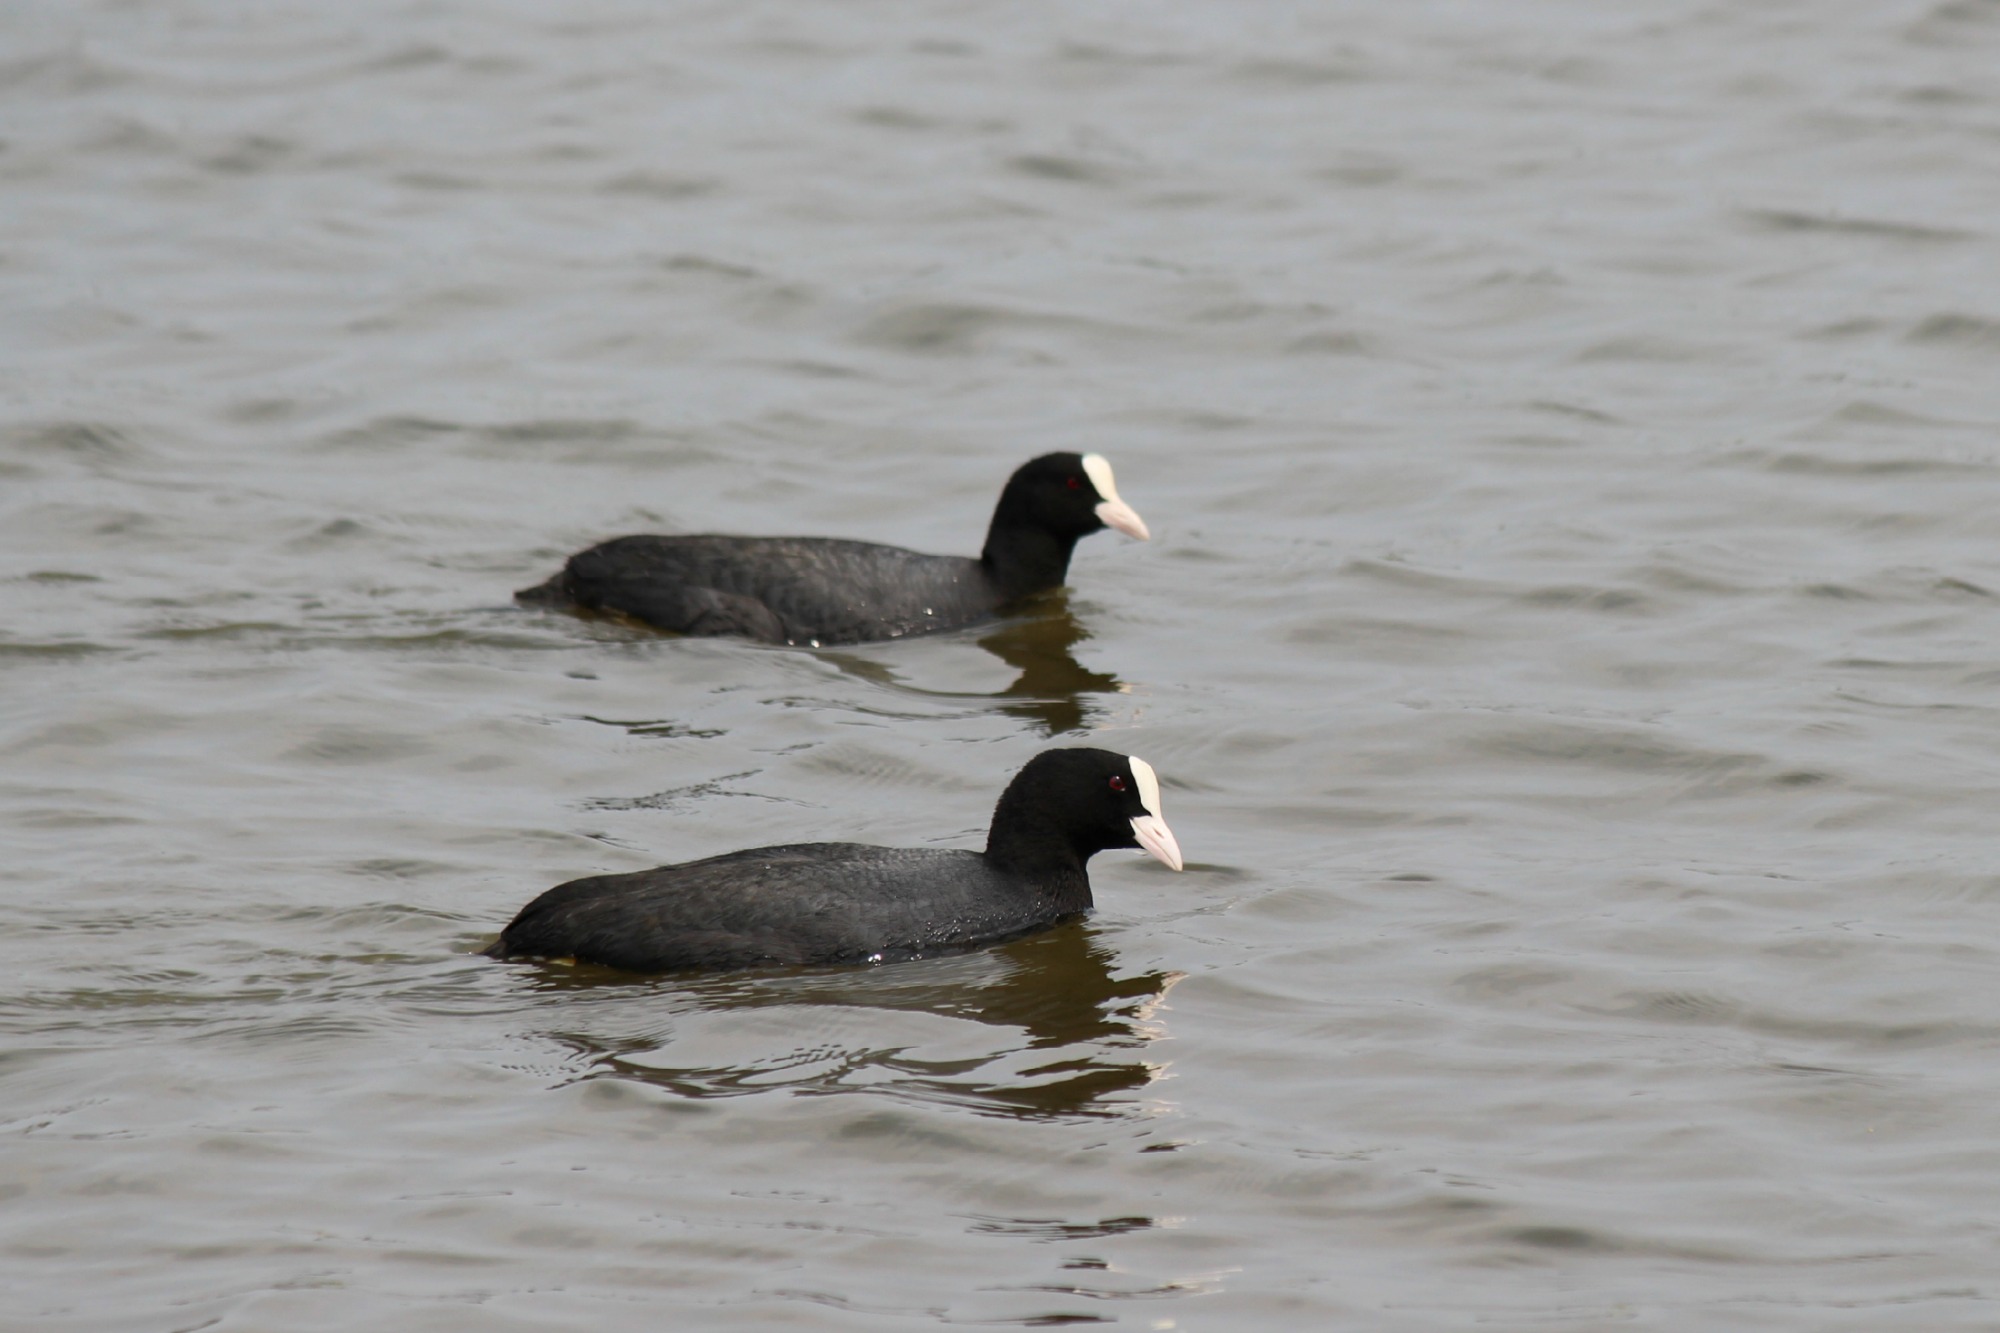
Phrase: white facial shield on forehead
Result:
[1150,829]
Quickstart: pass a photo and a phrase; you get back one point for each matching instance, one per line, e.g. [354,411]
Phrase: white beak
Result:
[1112,512]
[1117,514]
[1154,835]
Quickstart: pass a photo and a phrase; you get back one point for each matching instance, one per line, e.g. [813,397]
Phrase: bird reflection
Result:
[1053,686]
[1056,989]
[1050,689]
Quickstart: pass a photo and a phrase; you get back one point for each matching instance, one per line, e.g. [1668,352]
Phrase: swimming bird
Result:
[846,902]
[819,591]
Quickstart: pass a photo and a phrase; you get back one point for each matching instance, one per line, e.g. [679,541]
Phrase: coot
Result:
[846,902]
[824,590]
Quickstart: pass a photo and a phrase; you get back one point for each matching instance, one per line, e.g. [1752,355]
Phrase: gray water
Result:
[1571,436]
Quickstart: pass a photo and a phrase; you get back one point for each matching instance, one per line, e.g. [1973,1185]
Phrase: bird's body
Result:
[798,590]
[824,902]
[830,590]
[844,902]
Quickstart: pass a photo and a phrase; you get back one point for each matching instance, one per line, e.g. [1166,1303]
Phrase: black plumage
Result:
[844,902]
[825,590]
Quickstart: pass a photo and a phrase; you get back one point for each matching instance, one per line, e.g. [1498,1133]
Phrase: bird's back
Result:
[779,589]
[801,903]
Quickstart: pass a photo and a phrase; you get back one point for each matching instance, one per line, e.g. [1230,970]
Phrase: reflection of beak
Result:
[1115,513]
[1154,835]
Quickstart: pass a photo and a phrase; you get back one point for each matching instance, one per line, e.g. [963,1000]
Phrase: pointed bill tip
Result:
[1158,840]
[1115,513]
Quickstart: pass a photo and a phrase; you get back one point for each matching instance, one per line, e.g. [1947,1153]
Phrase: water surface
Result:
[1572,444]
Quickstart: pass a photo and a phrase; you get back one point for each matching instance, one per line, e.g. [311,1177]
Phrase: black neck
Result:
[1029,840]
[1022,560]
[1064,886]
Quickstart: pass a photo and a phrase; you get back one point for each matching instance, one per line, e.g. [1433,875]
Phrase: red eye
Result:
[1076,483]
[1117,783]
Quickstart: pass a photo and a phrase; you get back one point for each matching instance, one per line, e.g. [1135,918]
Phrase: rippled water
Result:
[1572,442]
